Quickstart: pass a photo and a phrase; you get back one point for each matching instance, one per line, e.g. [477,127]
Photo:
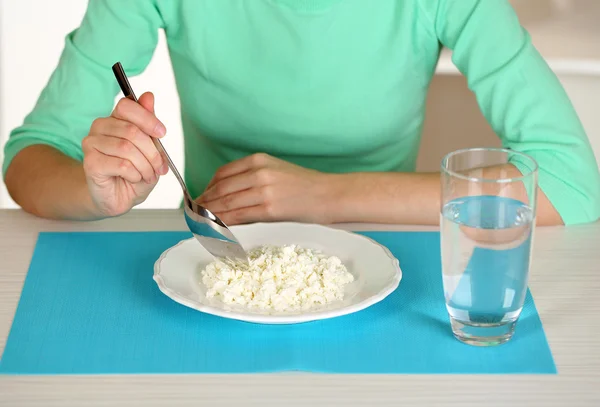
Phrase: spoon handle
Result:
[128,92]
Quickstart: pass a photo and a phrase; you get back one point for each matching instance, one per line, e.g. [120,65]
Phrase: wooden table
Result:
[565,281]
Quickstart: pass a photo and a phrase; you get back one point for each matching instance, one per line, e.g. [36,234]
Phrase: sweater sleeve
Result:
[522,100]
[82,87]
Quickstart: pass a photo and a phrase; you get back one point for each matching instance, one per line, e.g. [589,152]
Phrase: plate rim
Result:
[282,319]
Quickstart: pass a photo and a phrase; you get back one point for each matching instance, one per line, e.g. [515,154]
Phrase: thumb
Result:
[147,101]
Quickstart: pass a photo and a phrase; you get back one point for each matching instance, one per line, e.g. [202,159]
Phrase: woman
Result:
[330,93]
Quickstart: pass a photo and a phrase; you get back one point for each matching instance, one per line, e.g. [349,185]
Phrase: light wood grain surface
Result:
[565,282]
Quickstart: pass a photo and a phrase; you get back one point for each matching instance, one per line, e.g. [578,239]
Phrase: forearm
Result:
[47,183]
[396,198]
[401,198]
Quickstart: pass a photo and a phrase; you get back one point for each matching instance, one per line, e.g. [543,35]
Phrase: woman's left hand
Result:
[261,188]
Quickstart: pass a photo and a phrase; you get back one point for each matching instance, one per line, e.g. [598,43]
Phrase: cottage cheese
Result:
[279,278]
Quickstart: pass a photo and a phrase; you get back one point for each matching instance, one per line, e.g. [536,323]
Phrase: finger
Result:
[147,101]
[251,214]
[238,200]
[114,127]
[125,149]
[253,161]
[237,183]
[100,165]
[137,114]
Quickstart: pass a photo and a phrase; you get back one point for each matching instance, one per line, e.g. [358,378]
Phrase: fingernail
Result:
[160,130]
[164,169]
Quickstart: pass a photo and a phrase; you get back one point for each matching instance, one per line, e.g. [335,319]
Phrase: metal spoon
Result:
[208,229]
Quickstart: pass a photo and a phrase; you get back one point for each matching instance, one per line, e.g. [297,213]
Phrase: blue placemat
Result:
[89,305]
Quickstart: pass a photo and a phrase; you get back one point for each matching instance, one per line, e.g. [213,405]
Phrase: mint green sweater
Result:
[334,85]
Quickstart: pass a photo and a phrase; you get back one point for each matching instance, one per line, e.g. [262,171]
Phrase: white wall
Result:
[32,34]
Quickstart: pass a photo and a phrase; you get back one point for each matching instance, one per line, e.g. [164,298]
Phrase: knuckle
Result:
[227,201]
[86,143]
[126,165]
[219,173]
[131,131]
[263,176]
[258,159]
[269,210]
[125,146]
[220,189]
[97,124]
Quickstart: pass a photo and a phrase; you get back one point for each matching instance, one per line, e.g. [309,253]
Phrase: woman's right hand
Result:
[121,162]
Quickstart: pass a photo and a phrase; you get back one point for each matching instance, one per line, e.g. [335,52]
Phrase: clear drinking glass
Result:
[487,223]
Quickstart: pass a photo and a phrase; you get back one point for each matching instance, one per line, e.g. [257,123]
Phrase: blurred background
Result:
[566,32]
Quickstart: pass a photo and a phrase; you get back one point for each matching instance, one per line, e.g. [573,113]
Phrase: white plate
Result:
[376,271]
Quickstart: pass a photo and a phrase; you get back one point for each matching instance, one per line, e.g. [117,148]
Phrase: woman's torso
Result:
[334,85]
